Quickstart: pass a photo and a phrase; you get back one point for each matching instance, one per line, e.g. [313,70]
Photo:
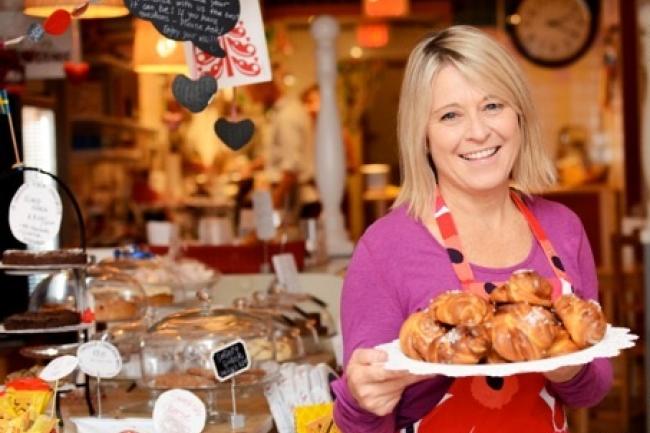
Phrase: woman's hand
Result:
[563,374]
[376,390]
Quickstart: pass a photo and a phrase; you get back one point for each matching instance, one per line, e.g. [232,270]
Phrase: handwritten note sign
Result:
[178,411]
[198,21]
[247,57]
[35,213]
[287,271]
[58,368]
[263,214]
[230,360]
[99,359]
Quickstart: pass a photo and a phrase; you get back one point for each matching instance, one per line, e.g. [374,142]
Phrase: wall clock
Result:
[553,33]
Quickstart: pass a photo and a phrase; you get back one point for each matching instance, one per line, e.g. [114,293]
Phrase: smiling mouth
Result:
[480,154]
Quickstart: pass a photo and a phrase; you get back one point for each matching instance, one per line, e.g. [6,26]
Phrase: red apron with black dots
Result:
[512,404]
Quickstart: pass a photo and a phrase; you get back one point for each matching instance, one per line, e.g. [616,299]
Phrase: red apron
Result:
[512,404]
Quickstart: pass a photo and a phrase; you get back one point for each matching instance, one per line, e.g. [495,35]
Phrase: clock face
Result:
[552,32]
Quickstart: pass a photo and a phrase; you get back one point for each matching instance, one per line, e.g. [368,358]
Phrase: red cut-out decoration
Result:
[240,56]
[58,22]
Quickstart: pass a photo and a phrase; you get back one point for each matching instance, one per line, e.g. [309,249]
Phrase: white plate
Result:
[70,328]
[615,340]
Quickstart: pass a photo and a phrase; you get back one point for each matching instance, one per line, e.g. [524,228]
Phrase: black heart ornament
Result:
[194,95]
[234,134]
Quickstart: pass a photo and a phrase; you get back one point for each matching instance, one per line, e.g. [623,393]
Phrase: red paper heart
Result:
[76,72]
[58,22]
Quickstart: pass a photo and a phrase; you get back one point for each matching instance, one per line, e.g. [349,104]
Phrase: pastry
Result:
[584,320]
[53,257]
[524,286]
[42,319]
[562,345]
[110,307]
[460,308]
[183,380]
[417,333]
[523,332]
[460,345]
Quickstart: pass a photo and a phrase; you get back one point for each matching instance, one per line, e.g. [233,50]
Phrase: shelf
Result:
[114,122]
[108,154]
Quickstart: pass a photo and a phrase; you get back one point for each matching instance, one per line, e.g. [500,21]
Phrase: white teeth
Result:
[480,154]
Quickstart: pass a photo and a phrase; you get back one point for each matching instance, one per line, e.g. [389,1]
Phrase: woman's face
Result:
[473,136]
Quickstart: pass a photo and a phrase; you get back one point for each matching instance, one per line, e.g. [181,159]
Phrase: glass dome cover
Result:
[176,352]
[116,296]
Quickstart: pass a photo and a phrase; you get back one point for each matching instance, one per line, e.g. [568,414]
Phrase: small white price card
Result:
[99,359]
[58,368]
[263,212]
[178,411]
[35,213]
[287,271]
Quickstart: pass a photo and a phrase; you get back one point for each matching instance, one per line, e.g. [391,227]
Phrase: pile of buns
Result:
[519,322]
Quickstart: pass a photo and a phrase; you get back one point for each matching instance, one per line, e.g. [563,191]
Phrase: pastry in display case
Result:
[167,281]
[55,303]
[116,296]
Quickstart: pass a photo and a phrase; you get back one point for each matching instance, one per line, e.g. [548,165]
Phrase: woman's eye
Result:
[449,116]
[493,106]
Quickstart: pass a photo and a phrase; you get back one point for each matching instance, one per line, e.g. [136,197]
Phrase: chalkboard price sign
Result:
[199,21]
[230,360]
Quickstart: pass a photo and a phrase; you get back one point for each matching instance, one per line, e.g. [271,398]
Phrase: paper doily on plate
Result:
[615,340]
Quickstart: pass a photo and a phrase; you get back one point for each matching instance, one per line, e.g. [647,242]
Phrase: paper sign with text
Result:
[58,368]
[99,359]
[287,271]
[230,360]
[178,411]
[263,214]
[247,58]
[35,213]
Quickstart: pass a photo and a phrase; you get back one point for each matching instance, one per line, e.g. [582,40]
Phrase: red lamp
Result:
[373,35]
[386,8]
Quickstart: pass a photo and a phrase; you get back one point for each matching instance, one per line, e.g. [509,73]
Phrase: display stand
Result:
[79,271]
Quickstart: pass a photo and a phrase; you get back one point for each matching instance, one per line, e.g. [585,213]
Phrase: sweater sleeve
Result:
[593,382]
[371,314]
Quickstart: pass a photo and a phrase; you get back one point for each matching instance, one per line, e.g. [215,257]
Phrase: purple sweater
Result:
[398,267]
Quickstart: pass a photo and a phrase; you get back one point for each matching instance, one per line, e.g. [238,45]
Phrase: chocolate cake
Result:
[53,257]
[42,319]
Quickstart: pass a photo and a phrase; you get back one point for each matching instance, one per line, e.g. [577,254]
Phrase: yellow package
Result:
[315,418]
[43,424]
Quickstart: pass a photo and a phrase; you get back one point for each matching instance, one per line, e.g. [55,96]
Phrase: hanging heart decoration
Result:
[58,22]
[234,134]
[194,95]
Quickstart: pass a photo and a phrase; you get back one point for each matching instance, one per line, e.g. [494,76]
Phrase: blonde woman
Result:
[466,218]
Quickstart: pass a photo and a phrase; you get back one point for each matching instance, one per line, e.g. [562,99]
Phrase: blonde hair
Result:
[486,63]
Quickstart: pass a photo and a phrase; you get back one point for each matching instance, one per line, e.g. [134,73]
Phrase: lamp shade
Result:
[99,9]
[386,8]
[372,35]
[155,54]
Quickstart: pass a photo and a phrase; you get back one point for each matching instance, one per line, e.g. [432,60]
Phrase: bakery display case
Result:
[175,352]
[126,337]
[304,313]
[166,281]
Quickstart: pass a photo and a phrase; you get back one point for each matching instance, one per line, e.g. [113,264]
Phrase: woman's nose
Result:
[477,129]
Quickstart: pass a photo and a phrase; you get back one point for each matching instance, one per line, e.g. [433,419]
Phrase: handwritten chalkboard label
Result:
[35,213]
[230,360]
[198,21]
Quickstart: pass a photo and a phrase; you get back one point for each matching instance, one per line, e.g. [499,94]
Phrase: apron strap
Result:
[462,267]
